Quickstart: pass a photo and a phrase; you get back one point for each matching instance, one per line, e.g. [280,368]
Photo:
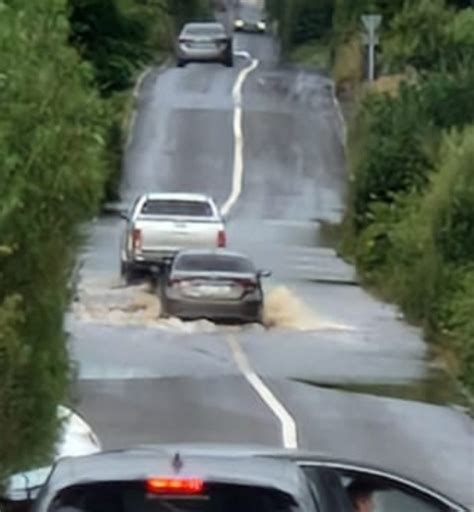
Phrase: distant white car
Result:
[76,438]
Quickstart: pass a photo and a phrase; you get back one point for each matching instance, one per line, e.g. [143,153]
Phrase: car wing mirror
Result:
[264,273]
[124,215]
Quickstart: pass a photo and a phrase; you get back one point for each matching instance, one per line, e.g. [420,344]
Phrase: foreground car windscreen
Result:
[213,263]
[175,207]
[155,496]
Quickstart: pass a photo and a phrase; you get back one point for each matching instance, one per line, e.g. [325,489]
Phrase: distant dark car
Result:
[216,478]
[248,23]
[204,42]
[213,284]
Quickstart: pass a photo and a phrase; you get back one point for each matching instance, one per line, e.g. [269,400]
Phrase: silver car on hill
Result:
[204,42]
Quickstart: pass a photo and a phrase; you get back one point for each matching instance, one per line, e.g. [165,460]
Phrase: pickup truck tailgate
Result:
[175,234]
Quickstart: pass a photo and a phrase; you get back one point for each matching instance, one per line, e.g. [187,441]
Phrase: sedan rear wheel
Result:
[164,309]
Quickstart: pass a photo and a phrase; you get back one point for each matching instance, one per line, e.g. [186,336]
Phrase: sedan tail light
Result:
[136,239]
[247,284]
[221,238]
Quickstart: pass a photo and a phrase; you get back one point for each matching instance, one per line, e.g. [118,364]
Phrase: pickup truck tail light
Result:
[136,239]
[221,238]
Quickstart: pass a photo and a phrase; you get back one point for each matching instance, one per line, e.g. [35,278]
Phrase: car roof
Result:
[209,24]
[213,252]
[230,466]
[249,464]
[177,196]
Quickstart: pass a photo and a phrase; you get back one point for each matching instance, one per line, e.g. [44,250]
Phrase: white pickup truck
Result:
[160,225]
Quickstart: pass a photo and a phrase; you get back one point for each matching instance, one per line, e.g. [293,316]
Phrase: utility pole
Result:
[370,38]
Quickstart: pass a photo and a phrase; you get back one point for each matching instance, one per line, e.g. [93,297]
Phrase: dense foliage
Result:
[52,138]
[65,66]
[409,221]
[412,201]
[116,37]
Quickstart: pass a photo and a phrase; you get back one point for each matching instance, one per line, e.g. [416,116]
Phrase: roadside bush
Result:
[117,37]
[418,250]
[347,65]
[394,138]
[433,251]
[182,11]
[417,35]
[53,132]
[458,326]
[430,36]
[388,155]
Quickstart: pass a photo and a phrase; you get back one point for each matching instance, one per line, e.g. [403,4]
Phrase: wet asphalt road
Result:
[142,383]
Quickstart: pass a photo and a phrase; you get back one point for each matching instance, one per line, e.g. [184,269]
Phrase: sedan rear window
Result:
[177,208]
[133,497]
[213,263]
[204,30]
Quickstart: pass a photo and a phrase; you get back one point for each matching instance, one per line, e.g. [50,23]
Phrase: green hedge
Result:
[409,223]
[65,70]
[53,132]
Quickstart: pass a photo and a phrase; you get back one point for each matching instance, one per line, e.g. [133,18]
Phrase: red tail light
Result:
[136,239]
[221,238]
[248,284]
[174,485]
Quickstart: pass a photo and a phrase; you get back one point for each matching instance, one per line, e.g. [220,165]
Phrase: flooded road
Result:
[327,346]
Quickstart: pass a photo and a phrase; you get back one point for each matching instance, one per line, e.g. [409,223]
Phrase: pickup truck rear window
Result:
[177,208]
[133,497]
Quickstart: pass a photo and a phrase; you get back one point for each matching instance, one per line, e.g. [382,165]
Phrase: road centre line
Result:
[288,424]
[238,168]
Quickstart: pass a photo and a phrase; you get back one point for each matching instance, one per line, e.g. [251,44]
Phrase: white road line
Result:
[288,424]
[238,139]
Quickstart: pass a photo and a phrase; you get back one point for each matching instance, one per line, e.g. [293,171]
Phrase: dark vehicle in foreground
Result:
[204,42]
[213,284]
[211,478]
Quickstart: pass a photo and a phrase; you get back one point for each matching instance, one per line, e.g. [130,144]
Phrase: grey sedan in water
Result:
[204,42]
[213,284]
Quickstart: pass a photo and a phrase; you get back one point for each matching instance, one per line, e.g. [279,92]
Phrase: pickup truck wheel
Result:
[127,273]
